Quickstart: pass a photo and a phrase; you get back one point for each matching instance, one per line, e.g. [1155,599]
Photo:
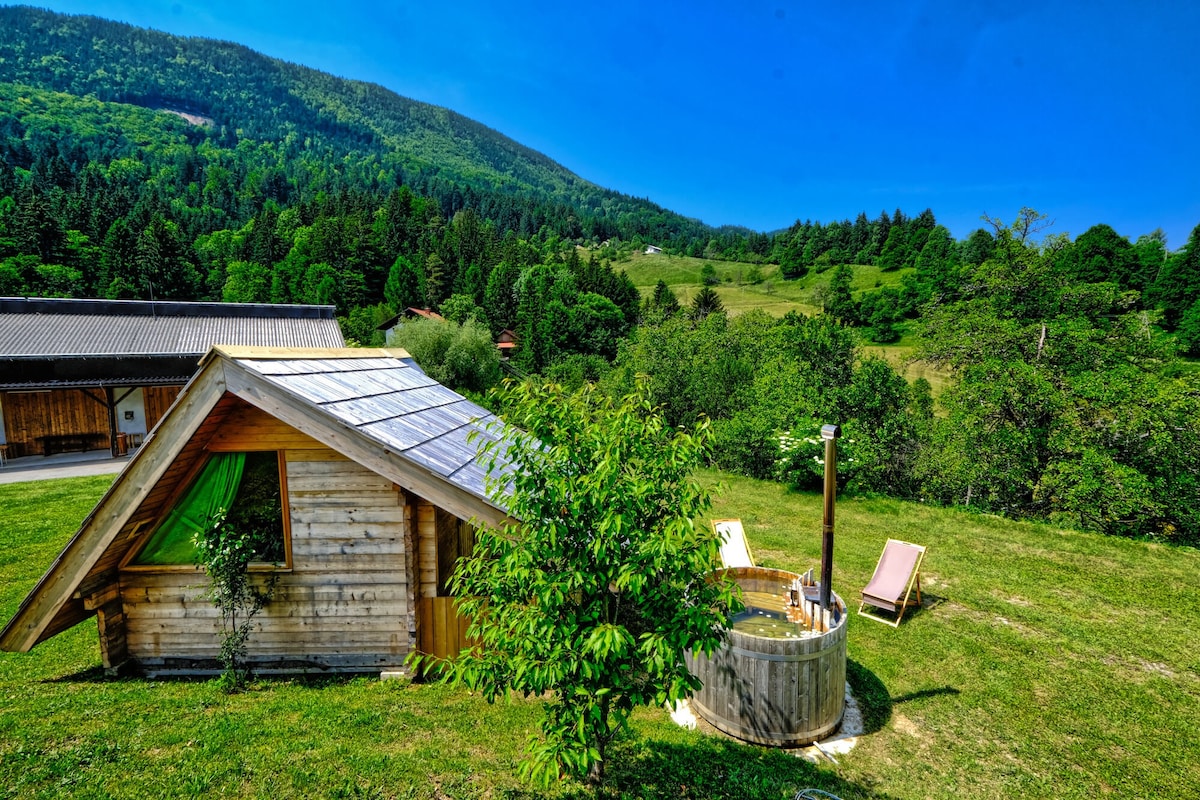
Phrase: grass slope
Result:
[773,294]
[1044,664]
[776,296]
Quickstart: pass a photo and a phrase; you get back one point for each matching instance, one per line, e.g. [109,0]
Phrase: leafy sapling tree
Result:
[226,550]
[595,595]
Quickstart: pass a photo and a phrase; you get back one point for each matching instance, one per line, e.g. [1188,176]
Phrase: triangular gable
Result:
[373,406]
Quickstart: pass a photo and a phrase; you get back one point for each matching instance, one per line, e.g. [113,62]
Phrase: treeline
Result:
[937,268]
[1068,402]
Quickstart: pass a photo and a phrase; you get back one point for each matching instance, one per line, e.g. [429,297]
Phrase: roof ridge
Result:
[164,308]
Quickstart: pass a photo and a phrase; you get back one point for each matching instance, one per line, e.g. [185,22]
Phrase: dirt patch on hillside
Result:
[195,119]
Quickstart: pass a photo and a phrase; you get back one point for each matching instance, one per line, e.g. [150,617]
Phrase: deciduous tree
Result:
[592,598]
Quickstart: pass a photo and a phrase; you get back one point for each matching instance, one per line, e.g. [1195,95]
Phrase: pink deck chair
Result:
[899,568]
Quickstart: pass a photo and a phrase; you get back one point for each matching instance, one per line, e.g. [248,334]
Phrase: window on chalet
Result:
[247,486]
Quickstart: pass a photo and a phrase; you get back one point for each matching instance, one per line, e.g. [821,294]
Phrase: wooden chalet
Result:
[506,343]
[369,481]
[99,374]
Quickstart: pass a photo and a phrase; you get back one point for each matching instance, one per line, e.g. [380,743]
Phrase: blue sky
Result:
[762,113]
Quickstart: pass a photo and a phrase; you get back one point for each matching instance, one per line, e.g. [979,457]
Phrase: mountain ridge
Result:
[256,96]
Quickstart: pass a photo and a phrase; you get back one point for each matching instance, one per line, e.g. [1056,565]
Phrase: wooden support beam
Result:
[111,406]
[101,596]
[411,564]
[102,400]
[114,646]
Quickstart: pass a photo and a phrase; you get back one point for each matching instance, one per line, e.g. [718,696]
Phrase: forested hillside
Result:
[327,133]
[135,164]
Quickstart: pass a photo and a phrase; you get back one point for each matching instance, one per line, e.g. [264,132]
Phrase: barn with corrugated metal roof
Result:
[363,473]
[98,374]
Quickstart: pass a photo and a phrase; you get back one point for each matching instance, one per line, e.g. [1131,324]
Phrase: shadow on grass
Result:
[923,693]
[132,675]
[89,675]
[711,768]
[874,699]
[928,603]
[876,702]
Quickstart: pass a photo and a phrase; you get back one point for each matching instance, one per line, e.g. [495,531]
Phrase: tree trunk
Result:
[595,774]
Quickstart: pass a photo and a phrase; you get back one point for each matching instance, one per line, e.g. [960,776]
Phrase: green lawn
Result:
[774,294]
[899,355]
[1045,663]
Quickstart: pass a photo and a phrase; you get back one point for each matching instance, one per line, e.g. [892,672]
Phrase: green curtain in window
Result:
[213,490]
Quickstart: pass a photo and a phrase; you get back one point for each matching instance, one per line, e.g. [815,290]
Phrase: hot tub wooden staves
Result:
[774,691]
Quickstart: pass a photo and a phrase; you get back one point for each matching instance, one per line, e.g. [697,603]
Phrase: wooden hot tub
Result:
[782,689]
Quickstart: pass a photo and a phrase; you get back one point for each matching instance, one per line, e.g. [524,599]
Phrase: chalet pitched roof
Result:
[390,401]
[374,406]
[36,328]
[410,313]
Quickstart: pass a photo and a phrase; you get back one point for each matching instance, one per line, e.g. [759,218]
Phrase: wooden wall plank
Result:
[250,428]
[157,399]
[323,455]
[443,630]
[347,593]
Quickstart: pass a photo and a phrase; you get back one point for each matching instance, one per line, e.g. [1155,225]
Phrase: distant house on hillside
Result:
[506,343]
[653,250]
[389,326]
[98,374]
[366,468]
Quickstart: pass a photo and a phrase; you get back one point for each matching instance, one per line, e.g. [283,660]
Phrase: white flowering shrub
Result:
[801,462]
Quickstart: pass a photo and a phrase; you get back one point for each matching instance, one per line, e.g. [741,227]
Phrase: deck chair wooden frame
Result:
[735,550]
[882,591]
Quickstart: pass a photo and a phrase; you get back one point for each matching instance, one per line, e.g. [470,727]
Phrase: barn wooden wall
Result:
[158,399]
[28,415]
[346,602]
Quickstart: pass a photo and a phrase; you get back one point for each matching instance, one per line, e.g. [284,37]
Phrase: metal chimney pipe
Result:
[830,434]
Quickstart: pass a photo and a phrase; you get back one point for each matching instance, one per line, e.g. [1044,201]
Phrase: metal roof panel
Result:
[395,404]
[52,335]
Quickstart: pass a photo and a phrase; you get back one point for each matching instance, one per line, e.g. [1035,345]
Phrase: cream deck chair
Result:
[735,552]
[899,568]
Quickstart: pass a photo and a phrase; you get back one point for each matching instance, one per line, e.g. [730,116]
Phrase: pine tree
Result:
[895,249]
[664,299]
[500,296]
[1178,283]
[839,303]
[435,280]
[405,286]
[706,302]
